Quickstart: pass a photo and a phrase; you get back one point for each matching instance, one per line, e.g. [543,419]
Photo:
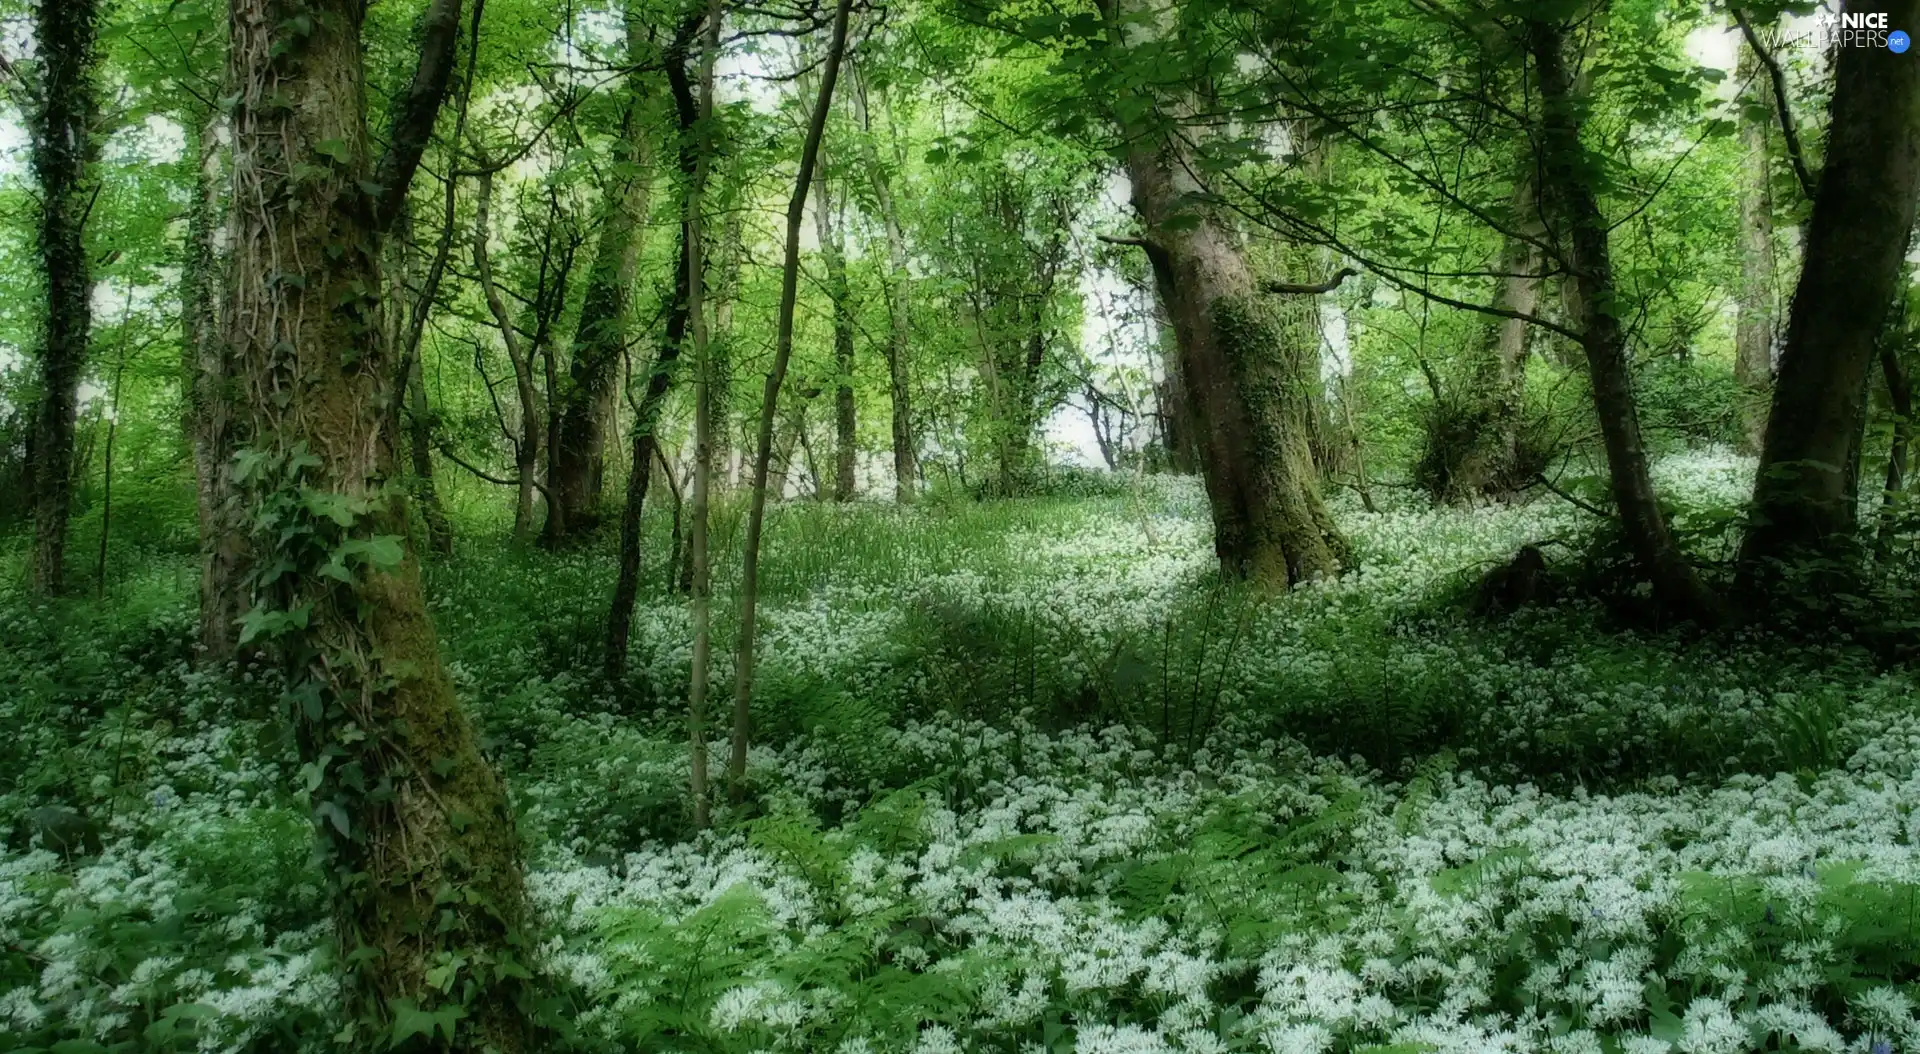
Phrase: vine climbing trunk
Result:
[418,844]
[1570,206]
[62,150]
[1246,389]
[600,338]
[743,668]
[906,457]
[1856,242]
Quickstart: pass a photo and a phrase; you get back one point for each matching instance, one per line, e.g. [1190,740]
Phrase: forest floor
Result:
[1027,781]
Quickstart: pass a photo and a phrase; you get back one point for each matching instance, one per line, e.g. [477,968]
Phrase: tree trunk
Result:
[1246,388]
[1569,204]
[1473,440]
[702,598]
[1900,395]
[60,129]
[743,669]
[1753,331]
[406,806]
[724,293]
[420,452]
[1863,212]
[906,458]
[527,447]
[846,450]
[600,339]
[690,149]
[212,418]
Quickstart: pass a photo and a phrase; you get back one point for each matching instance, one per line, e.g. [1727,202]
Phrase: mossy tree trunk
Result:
[1856,242]
[418,841]
[62,148]
[600,338]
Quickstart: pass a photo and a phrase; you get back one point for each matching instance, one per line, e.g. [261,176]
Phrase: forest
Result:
[938,526]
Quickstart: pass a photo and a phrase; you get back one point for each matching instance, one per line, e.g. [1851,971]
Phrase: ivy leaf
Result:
[336,816]
[334,148]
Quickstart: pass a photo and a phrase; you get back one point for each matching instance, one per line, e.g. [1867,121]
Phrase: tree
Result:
[1863,215]
[763,452]
[1246,404]
[1570,207]
[406,807]
[1753,336]
[600,339]
[906,455]
[63,148]
[526,447]
[833,253]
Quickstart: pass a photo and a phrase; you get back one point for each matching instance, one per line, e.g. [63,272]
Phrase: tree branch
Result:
[1328,286]
[416,114]
[1780,103]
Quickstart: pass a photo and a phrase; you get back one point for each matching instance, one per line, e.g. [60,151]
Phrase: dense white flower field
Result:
[1031,785]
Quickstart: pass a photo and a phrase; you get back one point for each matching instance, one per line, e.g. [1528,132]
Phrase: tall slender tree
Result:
[1753,331]
[906,455]
[63,140]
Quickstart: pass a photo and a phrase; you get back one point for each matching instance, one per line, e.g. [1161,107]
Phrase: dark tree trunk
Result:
[906,457]
[420,453]
[1753,331]
[1863,212]
[406,806]
[626,588]
[1569,203]
[212,418]
[1900,397]
[60,128]
[600,339]
[846,449]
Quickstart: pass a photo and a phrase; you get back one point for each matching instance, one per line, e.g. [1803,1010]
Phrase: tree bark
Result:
[213,421]
[1900,396]
[743,669]
[702,592]
[62,149]
[526,450]
[906,457]
[846,449]
[1863,213]
[1753,331]
[1246,388]
[1569,206]
[406,807]
[600,339]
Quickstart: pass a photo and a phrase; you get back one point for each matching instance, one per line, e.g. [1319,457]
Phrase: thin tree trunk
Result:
[743,669]
[702,434]
[420,452]
[691,149]
[845,441]
[1753,331]
[1568,198]
[212,418]
[405,805]
[60,130]
[1863,212]
[906,459]
[600,339]
[1900,394]
[106,463]
[527,448]
[723,294]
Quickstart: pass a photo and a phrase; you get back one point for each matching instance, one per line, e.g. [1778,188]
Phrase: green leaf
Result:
[336,149]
